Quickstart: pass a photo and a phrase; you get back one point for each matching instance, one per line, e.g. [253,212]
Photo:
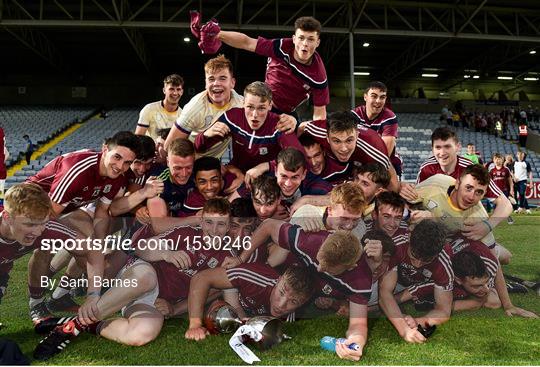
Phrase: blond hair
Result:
[341,248]
[218,63]
[29,200]
[350,195]
[259,89]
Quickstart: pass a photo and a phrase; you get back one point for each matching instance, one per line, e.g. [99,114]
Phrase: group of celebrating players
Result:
[310,212]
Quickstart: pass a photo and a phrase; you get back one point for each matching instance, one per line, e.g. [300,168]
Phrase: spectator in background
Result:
[523,178]
[471,154]
[523,133]
[29,148]
[4,156]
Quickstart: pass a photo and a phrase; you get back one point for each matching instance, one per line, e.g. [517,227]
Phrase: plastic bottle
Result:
[329,343]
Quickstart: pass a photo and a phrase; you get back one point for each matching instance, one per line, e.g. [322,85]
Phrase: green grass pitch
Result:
[484,337]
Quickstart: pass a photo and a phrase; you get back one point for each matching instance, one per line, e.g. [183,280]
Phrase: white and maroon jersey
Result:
[132,179]
[73,180]
[174,282]
[12,250]
[290,81]
[385,124]
[354,285]
[254,283]
[500,177]
[336,172]
[369,145]
[439,271]
[431,167]
[250,147]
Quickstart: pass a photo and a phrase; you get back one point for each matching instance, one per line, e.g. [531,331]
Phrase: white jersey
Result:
[199,114]
[154,116]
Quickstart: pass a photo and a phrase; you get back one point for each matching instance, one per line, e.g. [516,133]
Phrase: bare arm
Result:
[390,142]
[503,208]
[319,112]
[174,134]
[238,40]
[442,310]
[140,130]
[101,220]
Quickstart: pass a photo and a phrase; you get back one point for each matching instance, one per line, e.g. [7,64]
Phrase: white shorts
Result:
[148,298]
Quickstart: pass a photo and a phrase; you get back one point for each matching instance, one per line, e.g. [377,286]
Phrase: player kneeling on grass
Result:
[426,259]
[254,289]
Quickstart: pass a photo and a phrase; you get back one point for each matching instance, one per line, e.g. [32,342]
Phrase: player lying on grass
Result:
[25,227]
[342,269]
[254,289]
[425,259]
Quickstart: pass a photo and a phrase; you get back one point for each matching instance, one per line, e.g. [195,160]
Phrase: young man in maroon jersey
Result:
[295,71]
[254,289]
[347,142]
[341,265]
[253,129]
[25,227]
[426,258]
[375,115]
[445,160]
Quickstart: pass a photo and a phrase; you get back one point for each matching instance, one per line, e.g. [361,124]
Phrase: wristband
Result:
[93,293]
[486,222]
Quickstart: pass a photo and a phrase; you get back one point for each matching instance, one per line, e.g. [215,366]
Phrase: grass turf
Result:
[483,337]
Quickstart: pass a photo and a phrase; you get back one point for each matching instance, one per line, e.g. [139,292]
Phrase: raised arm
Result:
[238,40]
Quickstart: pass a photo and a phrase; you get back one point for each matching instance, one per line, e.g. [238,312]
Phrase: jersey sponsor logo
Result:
[263,150]
[327,289]
[431,205]
[208,119]
[107,188]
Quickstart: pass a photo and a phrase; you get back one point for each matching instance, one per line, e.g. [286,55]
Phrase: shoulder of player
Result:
[464,162]
[151,105]
[257,273]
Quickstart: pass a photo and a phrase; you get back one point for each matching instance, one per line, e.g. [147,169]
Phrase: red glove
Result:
[195,23]
[210,42]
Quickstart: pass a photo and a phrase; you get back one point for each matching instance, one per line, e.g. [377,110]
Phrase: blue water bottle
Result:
[329,343]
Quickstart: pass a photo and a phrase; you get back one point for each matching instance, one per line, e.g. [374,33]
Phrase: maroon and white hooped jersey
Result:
[290,81]
[431,167]
[73,180]
[369,145]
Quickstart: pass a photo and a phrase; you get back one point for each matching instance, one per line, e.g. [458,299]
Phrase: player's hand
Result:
[236,183]
[286,124]
[408,192]
[374,249]
[217,129]
[296,205]
[180,259]
[412,335]
[343,351]
[418,215]
[411,322]
[516,311]
[153,187]
[164,307]
[253,173]
[195,23]
[196,333]
[310,224]
[88,312]
[475,231]
[231,262]
[143,215]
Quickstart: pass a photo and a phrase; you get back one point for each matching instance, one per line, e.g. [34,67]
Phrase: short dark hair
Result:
[181,148]
[26,136]
[217,206]
[148,148]
[174,79]
[377,172]
[341,121]
[376,85]
[268,186]
[443,133]
[124,139]
[292,159]
[307,140]
[163,133]
[389,198]
[242,208]
[479,172]
[388,246]
[206,164]
[427,239]
[468,264]
[308,24]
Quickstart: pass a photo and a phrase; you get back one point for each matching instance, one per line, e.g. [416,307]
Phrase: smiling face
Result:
[263,207]
[388,218]
[342,144]
[341,218]
[375,100]
[305,44]
[468,192]
[289,181]
[315,155]
[219,85]
[256,110]
[180,167]
[369,188]
[172,93]
[215,224]
[209,183]
[140,167]
[445,152]
[116,161]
